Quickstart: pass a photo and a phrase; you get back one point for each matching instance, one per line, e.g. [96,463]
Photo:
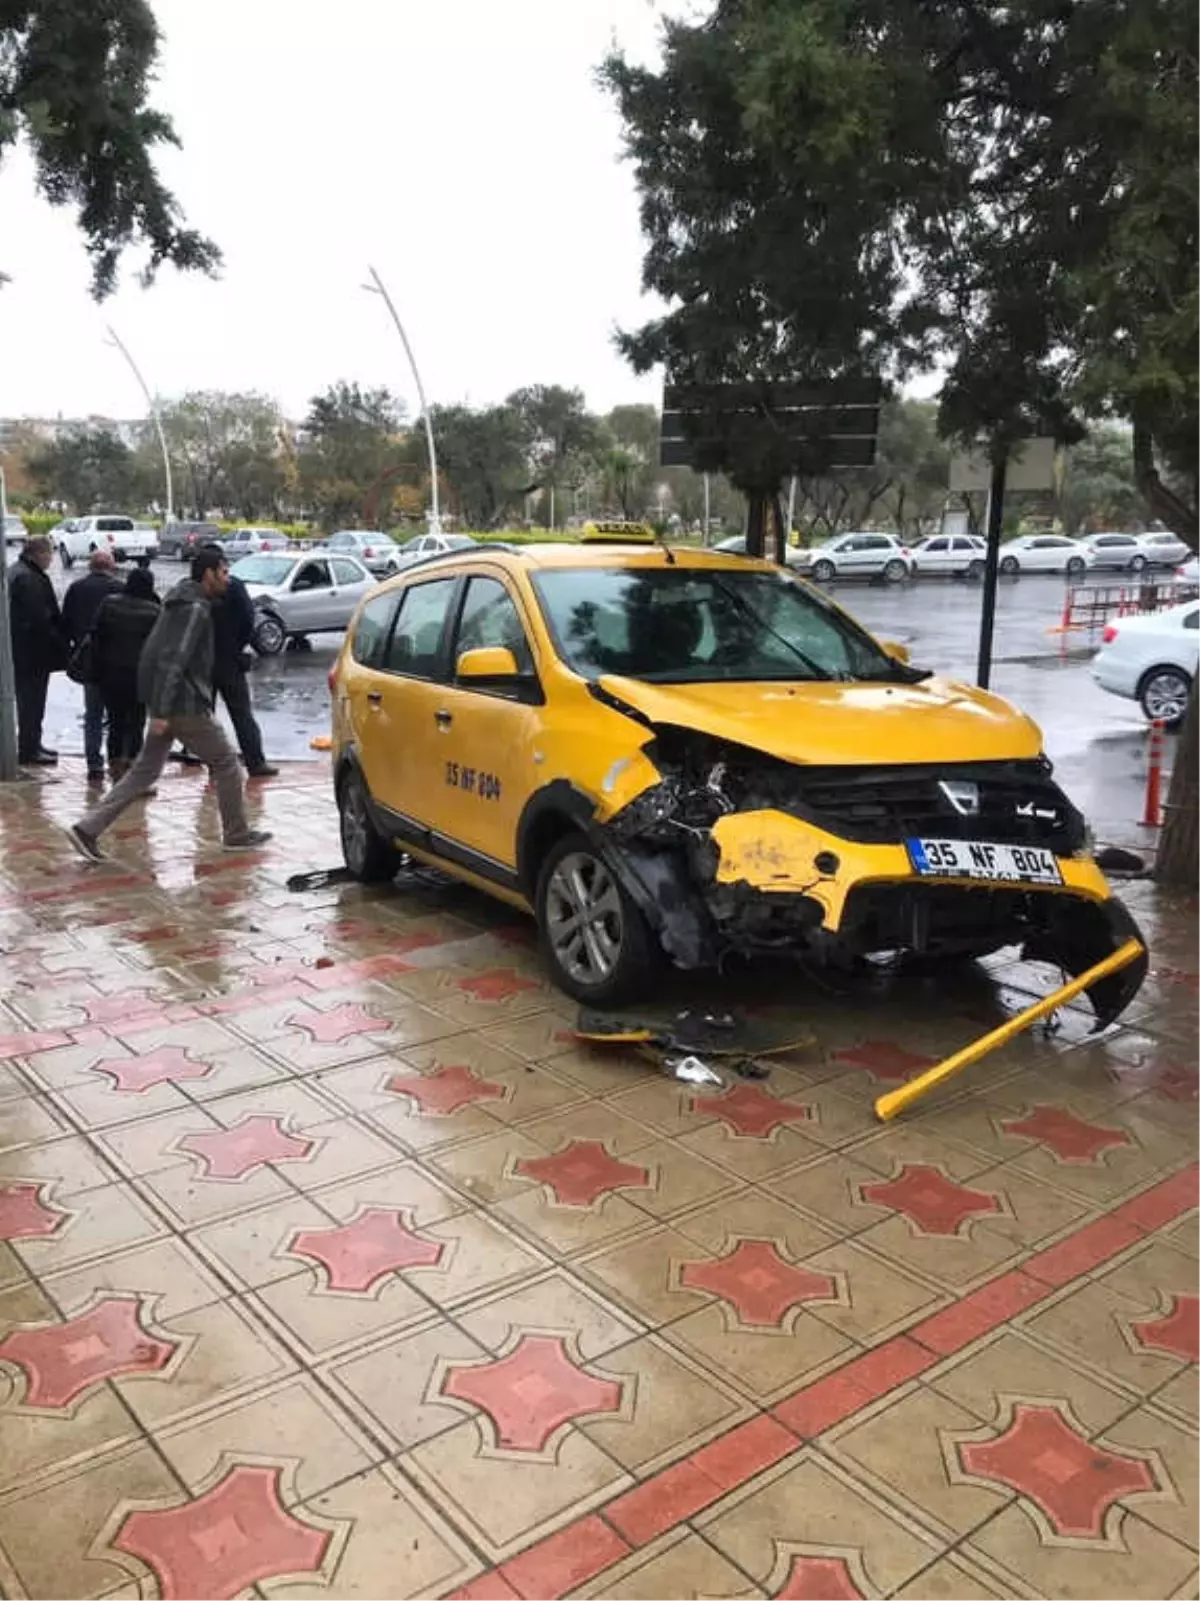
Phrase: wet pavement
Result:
[332,1265]
[1097,741]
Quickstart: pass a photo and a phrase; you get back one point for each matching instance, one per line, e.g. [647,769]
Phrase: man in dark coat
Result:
[39,646]
[233,626]
[81,603]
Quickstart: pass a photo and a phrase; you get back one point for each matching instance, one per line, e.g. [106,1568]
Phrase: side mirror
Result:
[487,662]
[897,651]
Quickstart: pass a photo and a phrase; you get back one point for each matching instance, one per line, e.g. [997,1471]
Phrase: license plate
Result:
[963,858]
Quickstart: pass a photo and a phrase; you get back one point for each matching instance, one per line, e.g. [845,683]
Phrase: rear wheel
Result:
[594,940]
[65,556]
[1010,565]
[975,568]
[1164,693]
[1137,564]
[270,636]
[366,853]
[894,572]
[823,571]
[1076,567]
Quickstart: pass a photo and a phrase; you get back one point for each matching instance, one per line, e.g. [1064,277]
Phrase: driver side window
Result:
[312,575]
[490,618]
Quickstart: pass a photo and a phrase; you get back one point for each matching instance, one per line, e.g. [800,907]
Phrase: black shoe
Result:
[40,758]
[263,770]
[249,841]
[85,844]
[50,755]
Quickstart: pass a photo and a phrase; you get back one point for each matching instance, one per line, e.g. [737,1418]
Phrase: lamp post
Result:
[8,678]
[376,287]
[154,418]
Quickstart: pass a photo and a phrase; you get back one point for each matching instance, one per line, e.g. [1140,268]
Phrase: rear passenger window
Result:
[345,572]
[372,629]
[415,646]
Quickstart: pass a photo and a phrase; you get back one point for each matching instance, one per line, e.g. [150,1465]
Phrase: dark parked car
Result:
[184,539]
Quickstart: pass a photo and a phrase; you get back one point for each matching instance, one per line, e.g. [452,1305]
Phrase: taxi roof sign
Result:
[615,532]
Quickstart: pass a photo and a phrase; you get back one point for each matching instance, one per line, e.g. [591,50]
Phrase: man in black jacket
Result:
[233,628]
[39,646]
[81,602]
[175,671]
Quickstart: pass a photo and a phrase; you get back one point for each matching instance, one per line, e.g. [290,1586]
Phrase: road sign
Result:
[781,429]
[1031,465]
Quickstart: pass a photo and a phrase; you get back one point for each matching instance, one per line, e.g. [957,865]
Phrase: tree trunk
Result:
[756,523]
[1177,862]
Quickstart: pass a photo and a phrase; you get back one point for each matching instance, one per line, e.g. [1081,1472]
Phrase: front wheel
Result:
[593,939]
[1076,567]
[365,852]
[1164,694]
[270,636]
[894,572]
[65,556]
[975,569]
[1010,566]
[823,571]
[1137,564]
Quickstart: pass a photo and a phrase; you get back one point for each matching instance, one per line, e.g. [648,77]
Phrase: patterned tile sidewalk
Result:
[331,1266]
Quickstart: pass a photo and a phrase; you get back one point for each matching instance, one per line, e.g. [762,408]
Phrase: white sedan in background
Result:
[951,555]
[1163,549]
[857,556]
[1044,553]
[1152,659]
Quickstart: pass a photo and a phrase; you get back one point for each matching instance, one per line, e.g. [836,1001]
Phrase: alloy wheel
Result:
[585,925]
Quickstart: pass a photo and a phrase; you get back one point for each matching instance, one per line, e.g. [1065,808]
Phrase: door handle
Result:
[443,719]
[375,697]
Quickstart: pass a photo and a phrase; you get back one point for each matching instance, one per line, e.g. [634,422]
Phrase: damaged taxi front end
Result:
[829,818]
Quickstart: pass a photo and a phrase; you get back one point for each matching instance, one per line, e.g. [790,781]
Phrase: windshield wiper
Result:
[814,667]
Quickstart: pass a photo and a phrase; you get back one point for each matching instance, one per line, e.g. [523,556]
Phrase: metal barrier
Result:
[1088,607]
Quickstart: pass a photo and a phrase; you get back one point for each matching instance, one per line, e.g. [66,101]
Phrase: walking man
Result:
[39,646]
[81,603]
[233,625]
[175,683]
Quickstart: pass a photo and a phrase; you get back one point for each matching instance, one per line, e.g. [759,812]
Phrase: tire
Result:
[1076,567]
[368,856]
[1164,693]
[975,569]
[65,556]
[620,959]
[1010,566]
[1138,564]
[823,572]
[894,572]
[270,636]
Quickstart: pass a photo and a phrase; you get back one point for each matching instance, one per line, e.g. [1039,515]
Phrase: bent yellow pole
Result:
[887,1106]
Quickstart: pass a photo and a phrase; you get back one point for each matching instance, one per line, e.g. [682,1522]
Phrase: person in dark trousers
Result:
[80,605]
[39,646]
[174,683]
[122,626]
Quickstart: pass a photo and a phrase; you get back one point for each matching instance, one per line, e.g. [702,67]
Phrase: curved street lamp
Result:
[154,418]
[376,287]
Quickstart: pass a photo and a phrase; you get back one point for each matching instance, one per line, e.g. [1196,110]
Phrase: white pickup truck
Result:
[77,537]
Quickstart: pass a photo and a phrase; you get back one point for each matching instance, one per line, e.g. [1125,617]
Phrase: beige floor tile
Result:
[752,1159]
[754,1215]
[879,1296]
[99,1222]
[399,1187]
[889,1151]
[191,1199]
[505,1503]
[663,1104]
[70,1166]
[679,1180]
[1151,1564]
[670,1406]
[948,1579]
[566,1230]
[684,1565]
[227,1354]
[232,1071]
[1008,1365]
[835,1119]
[140,1149]
[391,1383]
[295,1424]
[297,1106]
[252,1248]
[958,1262]
[829,1190]
[173,1279]
[78,1507]
[642,1274]
[1151,1274]
[1180,1396]
[480,1256]
[1033,1212]
[813,1506]
[29,1122]
[556,1302]
[317,1322]
[762,1363]
[1177,1510]
[486,1168]
[1092,1325]
[361,1086]
[341,1150]
[595,1120]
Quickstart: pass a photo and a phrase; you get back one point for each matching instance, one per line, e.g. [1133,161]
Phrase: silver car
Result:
[378,552]
[422,545]
[297,593]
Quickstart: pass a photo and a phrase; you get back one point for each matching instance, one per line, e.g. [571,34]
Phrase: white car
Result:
[858,556]
[1044,553]
[951,554]
[15,532]
[1189,574]
[1123,553]
[1163,549]
[297,593]
[1152,658]
[378,552]
[253,542]
[77,537]
[422,545]
[736,546]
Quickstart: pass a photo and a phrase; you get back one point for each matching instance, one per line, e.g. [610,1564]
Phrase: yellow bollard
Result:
[887,1106]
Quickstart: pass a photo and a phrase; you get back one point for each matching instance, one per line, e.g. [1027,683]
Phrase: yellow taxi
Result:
[681,754]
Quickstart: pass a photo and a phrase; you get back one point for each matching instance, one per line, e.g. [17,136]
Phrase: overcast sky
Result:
[461,146]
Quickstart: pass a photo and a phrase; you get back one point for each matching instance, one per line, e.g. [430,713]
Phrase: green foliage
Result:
[226,453]
[89,469]
[353,449]
[74,81]
[484,457]
[1100,487]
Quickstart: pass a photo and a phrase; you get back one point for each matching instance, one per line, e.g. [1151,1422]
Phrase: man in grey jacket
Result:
[175,685]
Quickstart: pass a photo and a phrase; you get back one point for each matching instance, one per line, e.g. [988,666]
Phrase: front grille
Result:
[1019,804]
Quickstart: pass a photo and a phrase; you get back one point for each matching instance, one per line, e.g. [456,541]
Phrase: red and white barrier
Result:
[1152,811]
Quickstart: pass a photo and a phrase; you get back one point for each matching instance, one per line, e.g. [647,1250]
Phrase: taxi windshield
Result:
[694,625]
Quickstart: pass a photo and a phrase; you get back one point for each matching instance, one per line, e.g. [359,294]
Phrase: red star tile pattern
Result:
[119,1008]
[1177,1332]
[584,1171]
[441,1094]
[235,1535]
[24,1215]
[497,984]
[934,1203]
[1043,1458]
[357,1255]
[819,1579]
[62,1360]
[884,1060]
[231,1153]
[750,1111]
[532,1391]
[1069,1137]
[136,1074]
[341,1023]
[1178,1084]
[760,1285]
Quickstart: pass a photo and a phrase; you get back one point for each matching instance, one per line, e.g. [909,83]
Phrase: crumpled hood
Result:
[843,724]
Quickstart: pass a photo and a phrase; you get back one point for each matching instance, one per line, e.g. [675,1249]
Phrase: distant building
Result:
[16,430]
